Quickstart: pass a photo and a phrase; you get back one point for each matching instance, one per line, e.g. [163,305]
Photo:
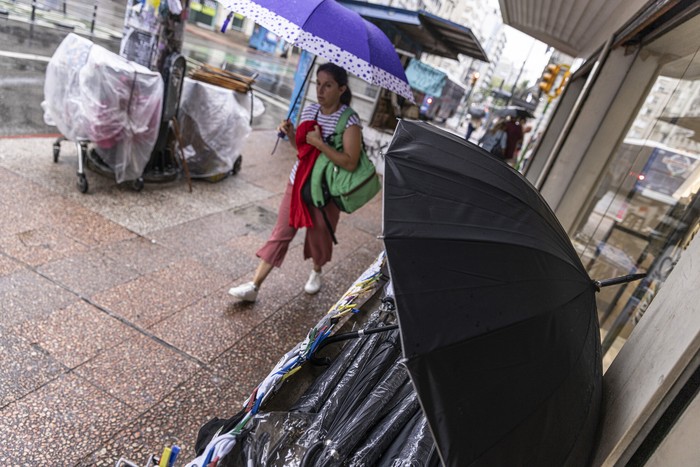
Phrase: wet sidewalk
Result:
[117,335]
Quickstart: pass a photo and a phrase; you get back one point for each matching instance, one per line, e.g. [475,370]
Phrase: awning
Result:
[579,27]
[425,78]
[420,31]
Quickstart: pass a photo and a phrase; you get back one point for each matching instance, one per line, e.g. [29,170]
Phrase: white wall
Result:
[655,362]
[680,448]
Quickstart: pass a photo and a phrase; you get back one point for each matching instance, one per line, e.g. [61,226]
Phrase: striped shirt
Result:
[327,123]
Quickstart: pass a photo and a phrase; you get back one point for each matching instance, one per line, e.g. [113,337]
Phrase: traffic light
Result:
[564,80]
[549,77]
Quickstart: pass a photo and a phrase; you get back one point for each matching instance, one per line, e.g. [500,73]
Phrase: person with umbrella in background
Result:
[318,122]
[515,118]
[474,123]
[475,118]
[495,140]
[514,137]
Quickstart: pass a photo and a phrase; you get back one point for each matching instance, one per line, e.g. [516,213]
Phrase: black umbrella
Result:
[515,112]
[476,112]
[497,314]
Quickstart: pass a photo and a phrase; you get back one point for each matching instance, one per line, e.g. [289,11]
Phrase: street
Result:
[25,50]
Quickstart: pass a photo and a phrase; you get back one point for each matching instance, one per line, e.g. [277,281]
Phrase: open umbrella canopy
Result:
[476,112]
[329,30]
[515,112]
[497,314]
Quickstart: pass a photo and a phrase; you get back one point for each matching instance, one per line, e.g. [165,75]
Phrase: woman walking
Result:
[318,122]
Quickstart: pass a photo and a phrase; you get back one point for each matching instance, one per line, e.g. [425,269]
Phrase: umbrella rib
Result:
[452,288]
[559,236]
[555,226]
[485,240]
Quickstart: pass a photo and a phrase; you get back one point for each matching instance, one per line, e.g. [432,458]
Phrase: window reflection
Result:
[646,209]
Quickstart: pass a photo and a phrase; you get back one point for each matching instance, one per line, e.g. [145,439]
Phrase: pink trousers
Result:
[318,243]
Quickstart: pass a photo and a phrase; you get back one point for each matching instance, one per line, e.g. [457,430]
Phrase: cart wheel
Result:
[237,165]
[138,184]
[82,183]
[56,152]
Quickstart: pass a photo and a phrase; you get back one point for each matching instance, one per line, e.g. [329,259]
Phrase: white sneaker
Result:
[313,285]
[245,292]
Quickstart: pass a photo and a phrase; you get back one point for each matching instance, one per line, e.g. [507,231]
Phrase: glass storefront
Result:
[203,12]
[646,208]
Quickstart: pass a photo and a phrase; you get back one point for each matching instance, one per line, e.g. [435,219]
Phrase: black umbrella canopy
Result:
[476,112]
[497,314]
[515,112]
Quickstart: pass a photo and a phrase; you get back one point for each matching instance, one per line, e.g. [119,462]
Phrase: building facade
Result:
[483,17]
[619,163]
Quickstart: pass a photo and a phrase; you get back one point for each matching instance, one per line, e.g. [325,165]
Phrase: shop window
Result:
[238,22]
[203,12]
[647,207]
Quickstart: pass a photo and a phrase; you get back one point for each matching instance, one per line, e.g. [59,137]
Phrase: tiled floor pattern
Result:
[117,336]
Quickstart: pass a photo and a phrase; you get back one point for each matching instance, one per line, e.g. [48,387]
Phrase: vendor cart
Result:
[216,111]
[97,98]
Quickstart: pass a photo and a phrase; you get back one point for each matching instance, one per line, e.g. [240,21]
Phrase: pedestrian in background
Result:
[318,122]
[515,133]
[474,123]
[495,139]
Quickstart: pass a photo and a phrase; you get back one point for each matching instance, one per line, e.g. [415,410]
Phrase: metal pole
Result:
[466,105]
[94,18]
[33,10]
[466,97]
[522,67]
[520,164]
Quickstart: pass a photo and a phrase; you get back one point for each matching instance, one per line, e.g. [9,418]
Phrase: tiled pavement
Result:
[117,336]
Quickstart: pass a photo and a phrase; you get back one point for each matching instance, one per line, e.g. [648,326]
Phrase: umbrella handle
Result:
[281,134]
[346,336]
[618,280]
[296,99]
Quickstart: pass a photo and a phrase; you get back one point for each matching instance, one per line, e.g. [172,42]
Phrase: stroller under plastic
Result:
[96,97]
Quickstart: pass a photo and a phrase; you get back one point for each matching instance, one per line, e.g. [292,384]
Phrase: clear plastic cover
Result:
[386,431]
[95,95]
[349,432]
[419,446]
[214,123]
[318,392]
[354,410]
[62,103]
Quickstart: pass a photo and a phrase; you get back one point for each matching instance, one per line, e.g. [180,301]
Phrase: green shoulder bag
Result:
[348,190]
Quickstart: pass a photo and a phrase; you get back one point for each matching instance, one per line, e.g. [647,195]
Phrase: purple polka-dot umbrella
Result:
[333,32]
